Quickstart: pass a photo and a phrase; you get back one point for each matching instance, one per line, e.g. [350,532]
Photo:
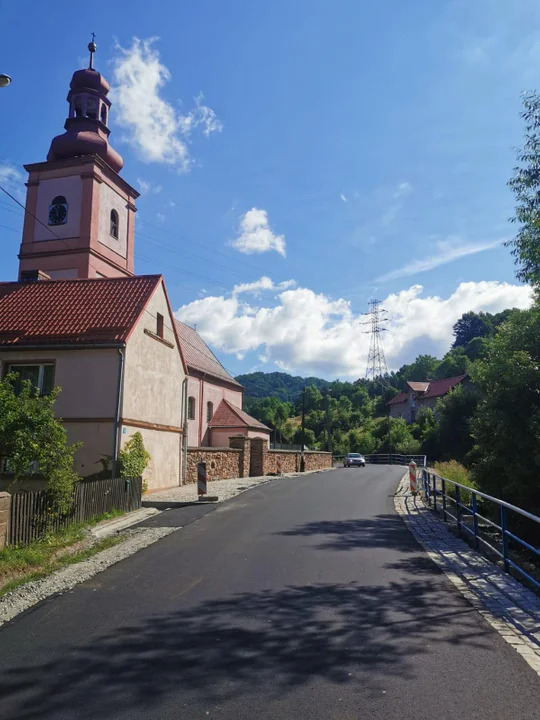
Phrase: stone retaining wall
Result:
[221,463]
[251,456]
[5,502]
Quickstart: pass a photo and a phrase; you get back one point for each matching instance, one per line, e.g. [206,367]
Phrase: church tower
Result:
[80,219]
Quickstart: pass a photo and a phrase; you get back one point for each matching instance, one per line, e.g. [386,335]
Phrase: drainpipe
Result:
[117,411]
[183,455]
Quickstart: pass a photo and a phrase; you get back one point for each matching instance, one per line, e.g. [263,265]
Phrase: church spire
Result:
[87,131]
[92,47]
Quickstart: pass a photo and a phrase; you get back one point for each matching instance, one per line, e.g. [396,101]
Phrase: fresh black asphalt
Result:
[305,598]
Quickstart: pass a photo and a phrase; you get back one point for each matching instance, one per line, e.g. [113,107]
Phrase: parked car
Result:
[354,460]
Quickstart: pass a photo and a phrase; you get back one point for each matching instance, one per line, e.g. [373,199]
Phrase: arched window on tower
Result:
[91,108]
[114,224]
[77,106]
[103,113]
[209,411]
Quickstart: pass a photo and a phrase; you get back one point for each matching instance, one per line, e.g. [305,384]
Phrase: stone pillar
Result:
[259,453]
[5,503]
[244,444]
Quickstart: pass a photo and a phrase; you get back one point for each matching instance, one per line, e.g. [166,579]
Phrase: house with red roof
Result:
[422,394]
[112,346]
[214,397]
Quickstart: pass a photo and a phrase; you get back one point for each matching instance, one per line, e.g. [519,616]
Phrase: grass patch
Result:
[20,564]
[57,563]
[452,470]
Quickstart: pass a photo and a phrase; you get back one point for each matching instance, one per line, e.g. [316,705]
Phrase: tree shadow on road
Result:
[385,531]
[269,641]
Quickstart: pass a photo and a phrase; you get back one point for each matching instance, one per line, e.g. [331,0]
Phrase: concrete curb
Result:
[110,527]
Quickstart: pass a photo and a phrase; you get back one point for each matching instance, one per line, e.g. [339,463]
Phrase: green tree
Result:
[423,368]
[33,440]
[455,362]
[525,184]
[472,325]
[133,458]
[506,426]
[454,413]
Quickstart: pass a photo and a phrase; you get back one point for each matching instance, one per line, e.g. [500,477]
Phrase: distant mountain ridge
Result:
[277,384]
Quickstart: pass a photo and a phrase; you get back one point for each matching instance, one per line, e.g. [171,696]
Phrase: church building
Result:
[78,317]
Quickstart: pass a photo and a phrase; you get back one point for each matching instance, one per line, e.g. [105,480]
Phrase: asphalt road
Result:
[305,598]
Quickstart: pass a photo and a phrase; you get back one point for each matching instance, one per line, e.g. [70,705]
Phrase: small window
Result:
[191,408]
[114,224]
[159,329]
[209,411]
[103,113]
[41,377]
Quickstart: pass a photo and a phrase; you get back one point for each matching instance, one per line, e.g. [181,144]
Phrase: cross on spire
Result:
[92,47]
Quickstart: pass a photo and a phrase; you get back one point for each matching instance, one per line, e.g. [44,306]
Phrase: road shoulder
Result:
[510,608]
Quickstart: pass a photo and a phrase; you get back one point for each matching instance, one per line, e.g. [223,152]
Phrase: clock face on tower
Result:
[58,213]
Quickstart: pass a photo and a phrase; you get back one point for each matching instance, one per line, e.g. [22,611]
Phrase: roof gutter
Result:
[70,346]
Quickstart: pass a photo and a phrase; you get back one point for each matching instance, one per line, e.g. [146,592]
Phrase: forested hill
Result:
[281,385]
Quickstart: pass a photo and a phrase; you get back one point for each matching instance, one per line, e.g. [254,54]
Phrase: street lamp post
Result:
[4,80]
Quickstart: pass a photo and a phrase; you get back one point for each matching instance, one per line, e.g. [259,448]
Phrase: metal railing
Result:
[395,459]
[467,516]
[388,459]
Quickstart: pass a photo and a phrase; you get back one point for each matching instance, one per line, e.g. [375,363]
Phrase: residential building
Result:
[214,397]
[112,347]
[422,394]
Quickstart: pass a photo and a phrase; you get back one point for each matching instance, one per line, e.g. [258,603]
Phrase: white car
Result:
[354,460]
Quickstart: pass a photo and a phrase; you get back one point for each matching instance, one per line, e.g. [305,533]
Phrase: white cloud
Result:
[256,236]
[264,283]
[310,333]
[172,203]
[146,187]
[160,217]
[402,190]
[449,250]
[13,178]
[154,128]
[344,198]
[8,172]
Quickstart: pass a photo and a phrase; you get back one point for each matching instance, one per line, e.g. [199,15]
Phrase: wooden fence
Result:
[31,516]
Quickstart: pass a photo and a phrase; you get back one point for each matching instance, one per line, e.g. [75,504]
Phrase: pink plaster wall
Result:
[206,390]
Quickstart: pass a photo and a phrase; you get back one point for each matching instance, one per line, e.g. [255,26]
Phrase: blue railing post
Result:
[443,488]
[458,509]
[475,522]
[504,528]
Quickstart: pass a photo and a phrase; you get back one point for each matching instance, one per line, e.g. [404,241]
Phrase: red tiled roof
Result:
[228,415]
[400,398]
[437,388]
[199,356]
[73,312]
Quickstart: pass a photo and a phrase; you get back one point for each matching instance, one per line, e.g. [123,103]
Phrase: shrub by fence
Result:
[32,516]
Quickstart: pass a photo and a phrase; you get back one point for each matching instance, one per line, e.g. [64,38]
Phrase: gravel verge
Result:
[67,578]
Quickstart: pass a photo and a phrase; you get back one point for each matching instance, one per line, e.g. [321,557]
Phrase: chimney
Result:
[33,276]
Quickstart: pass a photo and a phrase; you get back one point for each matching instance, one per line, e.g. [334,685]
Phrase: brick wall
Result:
[221,463]
[5,500]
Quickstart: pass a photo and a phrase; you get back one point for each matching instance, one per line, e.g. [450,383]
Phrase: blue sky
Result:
[339,151]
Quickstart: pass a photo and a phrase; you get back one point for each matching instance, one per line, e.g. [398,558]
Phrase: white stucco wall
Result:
[71,188]
[163,469]
[109,199]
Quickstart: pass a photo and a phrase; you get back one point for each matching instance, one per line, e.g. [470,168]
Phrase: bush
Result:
[453,470]
[133,458]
